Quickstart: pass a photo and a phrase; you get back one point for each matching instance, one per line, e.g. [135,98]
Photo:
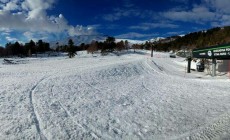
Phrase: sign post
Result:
[213,67]
[218,52]
[189,65]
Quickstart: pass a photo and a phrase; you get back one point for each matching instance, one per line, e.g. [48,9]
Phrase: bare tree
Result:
[92,47]
[120,46]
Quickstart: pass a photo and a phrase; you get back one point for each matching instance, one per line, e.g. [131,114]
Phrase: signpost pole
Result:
[213,67]
[229,68]
[189,65]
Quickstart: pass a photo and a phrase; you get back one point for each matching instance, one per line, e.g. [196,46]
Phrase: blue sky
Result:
[50,20]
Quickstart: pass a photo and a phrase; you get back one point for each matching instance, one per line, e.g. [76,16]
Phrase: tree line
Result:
[201,39]
[190,41]
[105,47]
[29,48]
[24,50]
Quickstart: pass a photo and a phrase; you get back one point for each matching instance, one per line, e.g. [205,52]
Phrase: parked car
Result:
[172,55]
[200,66]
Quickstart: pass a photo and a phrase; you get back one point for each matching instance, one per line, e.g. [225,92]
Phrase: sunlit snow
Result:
[132,96]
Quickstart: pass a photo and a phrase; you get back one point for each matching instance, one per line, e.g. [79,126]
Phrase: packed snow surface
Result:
[131,96]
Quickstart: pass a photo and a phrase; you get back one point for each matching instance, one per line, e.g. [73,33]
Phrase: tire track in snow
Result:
[149,69]
[219,129]
[34,113]
[159,67]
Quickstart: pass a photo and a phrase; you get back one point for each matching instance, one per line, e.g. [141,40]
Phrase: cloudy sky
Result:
[50,20]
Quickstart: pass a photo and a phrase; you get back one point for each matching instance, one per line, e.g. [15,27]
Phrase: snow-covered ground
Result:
[131,96]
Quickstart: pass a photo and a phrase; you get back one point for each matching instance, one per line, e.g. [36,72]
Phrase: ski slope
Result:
[131,96]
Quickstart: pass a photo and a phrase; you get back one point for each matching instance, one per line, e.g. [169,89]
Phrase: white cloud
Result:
[29,35]
[35,36]
[12,5]
[198,14]
[6,30]
[5,34]
[11,39]
[37,9]
[181,1]
[225,21]
[148,26]
[119,13]
[4,1]
[133,35]
[219,5]
[175,33]
[31,16]
[212,12]
[37,4]
[80,30]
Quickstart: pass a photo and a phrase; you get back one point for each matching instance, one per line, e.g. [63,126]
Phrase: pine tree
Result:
[71,49]
[126,44]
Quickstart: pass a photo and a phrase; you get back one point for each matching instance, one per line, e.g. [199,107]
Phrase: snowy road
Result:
[127,97]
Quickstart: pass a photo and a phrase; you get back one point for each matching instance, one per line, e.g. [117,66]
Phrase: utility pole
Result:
[152,50]
[152,46]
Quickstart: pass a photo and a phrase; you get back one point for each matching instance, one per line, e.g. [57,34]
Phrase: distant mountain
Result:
[87,39]
[157,39]
[132,41]
[78,40]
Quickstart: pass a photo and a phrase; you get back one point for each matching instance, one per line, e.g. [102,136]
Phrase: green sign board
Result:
[216,52]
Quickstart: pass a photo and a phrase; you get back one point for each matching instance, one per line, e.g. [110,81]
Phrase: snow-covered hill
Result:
[156,39]
[109,97]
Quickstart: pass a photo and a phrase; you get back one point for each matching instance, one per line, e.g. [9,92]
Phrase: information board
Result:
[216,52]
